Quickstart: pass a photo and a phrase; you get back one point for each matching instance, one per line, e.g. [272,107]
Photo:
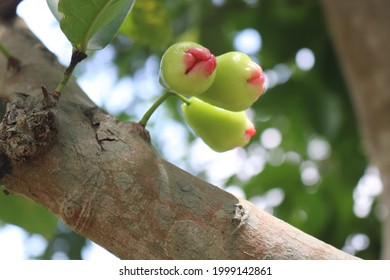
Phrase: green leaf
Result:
[90,24]
[148,23]
[20,211]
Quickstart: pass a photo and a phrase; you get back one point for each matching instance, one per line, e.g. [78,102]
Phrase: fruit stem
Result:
[182,98]
[144,120]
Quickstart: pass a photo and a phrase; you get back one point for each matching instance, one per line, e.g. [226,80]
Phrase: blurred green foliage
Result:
[148,17]
[18,210]
[309,105]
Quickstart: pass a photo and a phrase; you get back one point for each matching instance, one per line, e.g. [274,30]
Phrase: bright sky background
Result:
[100,79]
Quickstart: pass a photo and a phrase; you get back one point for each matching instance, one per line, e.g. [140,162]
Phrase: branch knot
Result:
[27,128]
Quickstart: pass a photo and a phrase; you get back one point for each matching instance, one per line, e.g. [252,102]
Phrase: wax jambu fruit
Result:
[187,68]
[238,83]
[220,129]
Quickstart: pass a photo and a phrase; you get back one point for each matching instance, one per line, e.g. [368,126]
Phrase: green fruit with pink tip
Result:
[238,83]
[220,129]
[187,68]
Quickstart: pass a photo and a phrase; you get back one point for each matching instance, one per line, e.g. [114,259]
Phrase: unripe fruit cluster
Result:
[221,89]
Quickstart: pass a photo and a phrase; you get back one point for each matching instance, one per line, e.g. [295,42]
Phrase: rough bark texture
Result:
[104,179]
[360,30]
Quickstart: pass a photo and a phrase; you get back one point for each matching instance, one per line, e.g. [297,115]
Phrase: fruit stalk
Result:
[144,120]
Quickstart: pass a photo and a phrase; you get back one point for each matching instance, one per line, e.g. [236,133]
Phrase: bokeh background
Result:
[306,164]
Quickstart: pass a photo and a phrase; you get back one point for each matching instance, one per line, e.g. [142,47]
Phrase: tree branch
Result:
[8,9]
[361,34]
[103,179]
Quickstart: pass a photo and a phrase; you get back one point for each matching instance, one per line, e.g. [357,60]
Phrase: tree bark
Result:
[361,35]
[104,179]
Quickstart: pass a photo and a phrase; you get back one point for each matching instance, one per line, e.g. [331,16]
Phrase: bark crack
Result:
[100,125]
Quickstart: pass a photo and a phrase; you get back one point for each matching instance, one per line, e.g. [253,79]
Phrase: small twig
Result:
[77,57]
[50,99]
[4,51]
[13,64]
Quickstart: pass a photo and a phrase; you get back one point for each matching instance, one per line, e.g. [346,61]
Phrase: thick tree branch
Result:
[361,34]
[8,9]
[107,182]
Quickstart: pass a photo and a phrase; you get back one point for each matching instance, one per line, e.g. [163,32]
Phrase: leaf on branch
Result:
[90,24]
